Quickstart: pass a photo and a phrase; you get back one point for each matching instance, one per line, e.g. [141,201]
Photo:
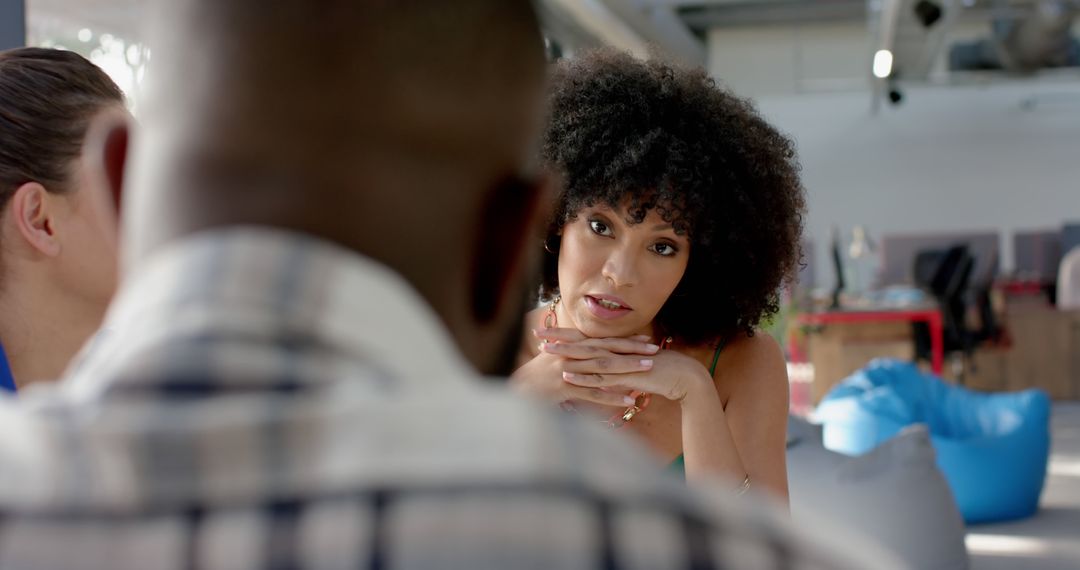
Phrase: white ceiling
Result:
[678,27]
[673,24]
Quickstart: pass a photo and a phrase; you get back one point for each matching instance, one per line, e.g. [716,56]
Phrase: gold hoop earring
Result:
[551,319]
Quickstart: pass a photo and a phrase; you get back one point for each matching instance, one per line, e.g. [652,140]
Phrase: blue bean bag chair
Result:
[992,448]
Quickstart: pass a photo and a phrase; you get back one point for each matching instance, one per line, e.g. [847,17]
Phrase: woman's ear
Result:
[35,216]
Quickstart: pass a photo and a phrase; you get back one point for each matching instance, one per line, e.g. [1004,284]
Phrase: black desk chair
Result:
[946,275]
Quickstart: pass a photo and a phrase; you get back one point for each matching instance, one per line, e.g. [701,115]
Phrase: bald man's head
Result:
[319,86]
[392,127]
[404,72]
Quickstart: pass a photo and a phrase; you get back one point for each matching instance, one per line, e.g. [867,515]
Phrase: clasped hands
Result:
[607,371]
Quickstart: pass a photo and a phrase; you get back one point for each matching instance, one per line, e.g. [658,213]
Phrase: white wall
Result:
[949,158]
[771,60]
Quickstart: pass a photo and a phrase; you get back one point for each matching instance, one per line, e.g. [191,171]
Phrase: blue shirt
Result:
[7,381]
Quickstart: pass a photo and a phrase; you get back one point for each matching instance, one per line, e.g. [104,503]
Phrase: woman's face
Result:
[87,264]
[614,277]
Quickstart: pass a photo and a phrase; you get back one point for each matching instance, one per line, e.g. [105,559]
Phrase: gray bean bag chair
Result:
[894,495]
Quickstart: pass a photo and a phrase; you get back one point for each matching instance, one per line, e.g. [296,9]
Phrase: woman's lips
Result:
[603,307]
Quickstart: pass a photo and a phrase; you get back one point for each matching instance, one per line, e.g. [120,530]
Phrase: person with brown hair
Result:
[58,266]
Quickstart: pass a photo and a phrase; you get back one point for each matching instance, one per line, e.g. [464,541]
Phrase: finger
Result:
[621,345]
[559,335]
[574,350]
[586,350]
[599,348]
[574,335]
[608,365]
[638,344]
[614,382]
[609,382]
[614,399]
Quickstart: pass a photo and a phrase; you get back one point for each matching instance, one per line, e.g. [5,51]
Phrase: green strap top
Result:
[679,464]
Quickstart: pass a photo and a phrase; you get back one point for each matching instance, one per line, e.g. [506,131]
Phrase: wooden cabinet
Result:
[838,350]
[1042,353]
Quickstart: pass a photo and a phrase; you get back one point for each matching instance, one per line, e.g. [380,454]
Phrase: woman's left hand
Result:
[673,375]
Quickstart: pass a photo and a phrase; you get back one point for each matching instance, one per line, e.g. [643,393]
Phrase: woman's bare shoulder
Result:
[752,364]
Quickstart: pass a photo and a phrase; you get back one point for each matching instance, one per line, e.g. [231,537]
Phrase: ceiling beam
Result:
[702,16]
[678,4]
[661,26]
[596,19]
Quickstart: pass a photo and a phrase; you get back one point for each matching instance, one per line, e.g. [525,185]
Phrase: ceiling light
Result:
[882,63]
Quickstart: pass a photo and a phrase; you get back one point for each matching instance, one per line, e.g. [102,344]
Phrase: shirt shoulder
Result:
[478,479]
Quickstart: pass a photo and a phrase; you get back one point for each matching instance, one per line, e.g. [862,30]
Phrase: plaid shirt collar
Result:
[267,286]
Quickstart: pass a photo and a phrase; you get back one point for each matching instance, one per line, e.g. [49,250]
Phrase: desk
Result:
[1016,289]
[932,317]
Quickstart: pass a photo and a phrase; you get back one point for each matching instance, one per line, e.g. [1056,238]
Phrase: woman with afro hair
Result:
[677,226]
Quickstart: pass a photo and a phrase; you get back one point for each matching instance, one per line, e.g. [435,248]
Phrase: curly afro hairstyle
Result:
[669,139]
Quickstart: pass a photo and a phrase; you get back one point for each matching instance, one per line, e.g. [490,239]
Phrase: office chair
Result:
[946,275]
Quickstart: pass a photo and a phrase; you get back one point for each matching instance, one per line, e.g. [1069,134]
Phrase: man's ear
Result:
[34,213]
[511,226]
[105,153]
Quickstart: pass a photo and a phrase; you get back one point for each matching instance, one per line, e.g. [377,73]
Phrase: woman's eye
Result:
[599,228]
[664,249]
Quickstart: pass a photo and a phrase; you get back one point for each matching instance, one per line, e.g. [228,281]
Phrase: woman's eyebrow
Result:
[663,227]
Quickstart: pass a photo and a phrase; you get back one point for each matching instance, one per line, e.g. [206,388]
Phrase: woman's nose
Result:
[620,269]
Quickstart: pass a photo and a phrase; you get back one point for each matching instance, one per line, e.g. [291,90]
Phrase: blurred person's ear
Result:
[106,154]
[506,259]
[35,216]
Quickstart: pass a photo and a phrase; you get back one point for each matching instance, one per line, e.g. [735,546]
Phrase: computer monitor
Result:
[1070,237]
[1037,254]
[898,253]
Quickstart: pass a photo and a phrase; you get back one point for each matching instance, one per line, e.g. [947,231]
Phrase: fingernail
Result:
[647,362]
[568,375]
[629,401]
[652,347]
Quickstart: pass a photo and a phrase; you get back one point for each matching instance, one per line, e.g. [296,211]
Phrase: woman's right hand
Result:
[542,376]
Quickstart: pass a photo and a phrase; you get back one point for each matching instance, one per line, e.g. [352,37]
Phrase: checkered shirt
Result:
[261,399]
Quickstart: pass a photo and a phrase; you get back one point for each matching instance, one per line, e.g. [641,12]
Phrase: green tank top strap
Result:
[716,356]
